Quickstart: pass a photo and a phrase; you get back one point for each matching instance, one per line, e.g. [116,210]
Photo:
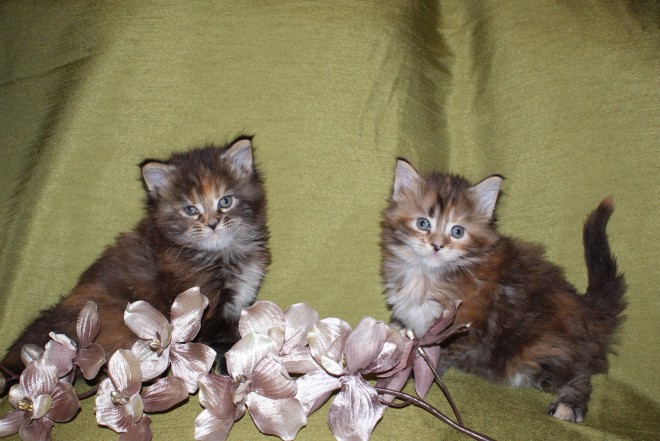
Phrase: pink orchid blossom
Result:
[120,405]
[216,394]
[40,399]
[345,355]
[162,342]
[424,377]
[257,380]
[64,353]
[288,329]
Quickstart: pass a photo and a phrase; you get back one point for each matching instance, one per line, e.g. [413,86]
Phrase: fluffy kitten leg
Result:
[571,402]
[220,334]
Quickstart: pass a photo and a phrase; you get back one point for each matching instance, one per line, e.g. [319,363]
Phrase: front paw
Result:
[566,412]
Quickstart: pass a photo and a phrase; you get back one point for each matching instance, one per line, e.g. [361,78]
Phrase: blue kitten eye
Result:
[225,202]
[457,231]
[423,224]
[191,210]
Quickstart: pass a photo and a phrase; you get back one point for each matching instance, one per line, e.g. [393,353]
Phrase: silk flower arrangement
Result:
[286,365]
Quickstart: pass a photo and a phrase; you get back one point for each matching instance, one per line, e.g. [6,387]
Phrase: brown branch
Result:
[442,385]
[10,375]
[409,399]
[88,393]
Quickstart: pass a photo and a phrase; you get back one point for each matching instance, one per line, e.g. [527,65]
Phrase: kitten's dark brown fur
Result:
[529,326]
[205,226]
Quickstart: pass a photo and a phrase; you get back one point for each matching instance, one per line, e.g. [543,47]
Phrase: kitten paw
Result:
[566,412]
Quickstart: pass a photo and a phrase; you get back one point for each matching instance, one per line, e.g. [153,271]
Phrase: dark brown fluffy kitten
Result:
[529,326]
[205,226]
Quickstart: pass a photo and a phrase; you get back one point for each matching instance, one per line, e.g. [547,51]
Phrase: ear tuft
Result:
[485,193]
[156,175]
[239,155]
[405,177]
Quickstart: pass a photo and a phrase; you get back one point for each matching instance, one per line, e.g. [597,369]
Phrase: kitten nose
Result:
[436,247]
[212,225]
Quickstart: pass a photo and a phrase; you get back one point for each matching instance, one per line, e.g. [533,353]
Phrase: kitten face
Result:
[208,199]
[438,221]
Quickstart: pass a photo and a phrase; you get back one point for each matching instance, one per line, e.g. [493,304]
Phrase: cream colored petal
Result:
[186,314]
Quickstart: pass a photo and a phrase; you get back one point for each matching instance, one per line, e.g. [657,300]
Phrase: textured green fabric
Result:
[561,97]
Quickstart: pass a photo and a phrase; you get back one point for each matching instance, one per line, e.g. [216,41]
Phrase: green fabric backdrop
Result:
[561,97]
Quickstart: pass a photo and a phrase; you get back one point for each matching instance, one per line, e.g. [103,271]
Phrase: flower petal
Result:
[88,324]
[271,380]
[164,394]
[186,314]
[260,318]
[139,432]
[300,319]
[216,395]
[11,422]
[16,394]
[60,351]
[39,377]
[247,352]
[144,320]
[315,388]
[355,410]
[41,405]
[118,418]
[211,428]
[36,430]
[151,364]
[125,372]
[424,377]
[394,355]
[439,325]
[283,417]
[364,344]
[394,382]
[326,342]
[299,361]
[90,359]
[65,403]
[31,352]
[190,360]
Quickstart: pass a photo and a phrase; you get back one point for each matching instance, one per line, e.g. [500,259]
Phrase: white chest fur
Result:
[410,294]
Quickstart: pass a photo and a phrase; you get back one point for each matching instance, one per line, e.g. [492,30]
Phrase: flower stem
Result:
[442,385]
[409,399]
[88,393]
[10,375]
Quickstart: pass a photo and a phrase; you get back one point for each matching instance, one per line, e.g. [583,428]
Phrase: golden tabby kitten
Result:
[529,326]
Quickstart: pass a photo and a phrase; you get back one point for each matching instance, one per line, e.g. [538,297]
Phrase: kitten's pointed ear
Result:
[156,175]
[405,177]
[485,192]
[239,155]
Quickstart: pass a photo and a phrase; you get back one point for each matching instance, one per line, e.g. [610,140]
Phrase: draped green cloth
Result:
[559,96]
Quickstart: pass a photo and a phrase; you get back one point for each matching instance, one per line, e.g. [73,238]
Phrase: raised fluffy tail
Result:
[606,285]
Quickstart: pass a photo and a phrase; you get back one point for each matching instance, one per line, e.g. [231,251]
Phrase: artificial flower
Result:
[288,329]
[263,385]
[31,352]
[40,399]
[423,375]
[216,394]
[162,342]
[120,405]
[371,348]
[63,352]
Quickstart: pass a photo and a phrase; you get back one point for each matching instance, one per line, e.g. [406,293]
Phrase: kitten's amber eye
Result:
[457,231]
[423,224]
[191,210]
[225,202]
